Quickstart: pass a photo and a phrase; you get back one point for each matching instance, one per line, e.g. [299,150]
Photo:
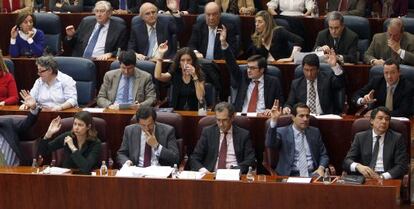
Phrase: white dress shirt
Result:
[100,43]
[291,7]
[155,153]
[260,99]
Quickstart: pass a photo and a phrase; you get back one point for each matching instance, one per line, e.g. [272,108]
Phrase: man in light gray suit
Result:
[301,149]
[148,142]
[126,85]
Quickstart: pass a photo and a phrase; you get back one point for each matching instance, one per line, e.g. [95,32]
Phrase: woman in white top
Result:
[291,7]
[54,90]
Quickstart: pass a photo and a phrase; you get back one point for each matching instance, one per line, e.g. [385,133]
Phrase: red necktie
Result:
[223,153]
[253,98]
[344,5]
[147,155]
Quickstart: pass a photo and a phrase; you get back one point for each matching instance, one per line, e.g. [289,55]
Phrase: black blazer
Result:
[207,149]
[66,7]
[116,37]
[133,5]
[328,84]
[199,39]
[11,133]
[185,5]
[280,44]
[347,45]
[394,154]
[402,98]
[240,81]
[165,28]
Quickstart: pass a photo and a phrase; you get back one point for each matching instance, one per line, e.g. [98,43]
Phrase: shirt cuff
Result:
[359,101]
[273,124]
[203,170]
[36,110]
[30,40]
[337,69]
[402,54]
[12,41]
[225,46]
[157,151]
[353,166]
[386,175]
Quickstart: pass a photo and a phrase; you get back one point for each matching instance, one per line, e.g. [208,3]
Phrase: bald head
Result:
[395,29]
[148,12]
[212,12]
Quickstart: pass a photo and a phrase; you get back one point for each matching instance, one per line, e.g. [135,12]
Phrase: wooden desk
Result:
[21,190]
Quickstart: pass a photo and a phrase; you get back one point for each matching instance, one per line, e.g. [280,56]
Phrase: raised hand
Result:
[70,31]
[172,5]
[28,100]
[223,33]
[332,58]
[13,32]
[53,127]
[162,48]
[369,98]
[276,111]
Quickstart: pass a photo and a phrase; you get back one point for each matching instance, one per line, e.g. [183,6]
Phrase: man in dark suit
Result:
[395,44]
[256,90]
[10,131]
[185,6]
[98,38]
[301,149]
[204,39]
[378,152]
[338,37]
[148,142]
[150,32]
[316,89]
[223,145]
[391,90]
[348,7]
[126,6]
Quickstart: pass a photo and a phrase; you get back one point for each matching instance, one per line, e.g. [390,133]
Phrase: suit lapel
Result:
[266,90]
[386,155]
[216,145]
[236,142]
[136,85]
[303,94]
[368,146]
[136,144]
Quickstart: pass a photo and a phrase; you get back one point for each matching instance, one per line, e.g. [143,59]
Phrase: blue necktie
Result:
[302,161]
[152,41]
[122,4]
[7,154]
[125,98]
[91,45]
[210,46]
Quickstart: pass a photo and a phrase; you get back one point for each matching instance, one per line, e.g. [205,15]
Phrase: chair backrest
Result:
[144,65]
[118,20]
[339,96]
[360,25]
[271,71]
[50,24]
[67,123]
[363,124]
[83,71]
[172,44]
[407,21]
[9,64]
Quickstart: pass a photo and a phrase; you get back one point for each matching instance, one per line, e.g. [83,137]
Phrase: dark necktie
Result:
[253,98]
[91,45]
[375,154]
[223,153]
[152,39]
[312,97]
[147,155]
[125,98]
[343,5]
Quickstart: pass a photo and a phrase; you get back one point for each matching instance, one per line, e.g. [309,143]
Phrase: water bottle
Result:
[250,176]
[35,166]
[110,166]
[326,178]
[104,169]
[175,172]
[315,11]
[202,108]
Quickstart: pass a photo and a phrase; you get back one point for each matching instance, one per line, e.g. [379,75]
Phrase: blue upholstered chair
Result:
[339,97]
[10,65]
[83,71]
[50,24]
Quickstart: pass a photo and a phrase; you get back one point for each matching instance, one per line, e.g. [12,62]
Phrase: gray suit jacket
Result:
[283,140]
[380,50]
[207,149]
[355,7]
[143,90]
[395,155]
[131,145]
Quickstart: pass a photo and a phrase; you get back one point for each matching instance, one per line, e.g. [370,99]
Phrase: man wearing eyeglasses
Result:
[98,37]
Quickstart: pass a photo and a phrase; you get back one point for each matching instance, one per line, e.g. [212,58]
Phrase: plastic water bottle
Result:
[104,169]
[250,176]
[35,166]
[326,178]
[175,172]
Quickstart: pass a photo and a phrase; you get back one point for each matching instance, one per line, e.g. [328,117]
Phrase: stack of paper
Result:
[150,172]
[228,174]
[190,175]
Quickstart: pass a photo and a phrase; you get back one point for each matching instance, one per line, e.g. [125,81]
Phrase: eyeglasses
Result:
[252,67]
[42,71]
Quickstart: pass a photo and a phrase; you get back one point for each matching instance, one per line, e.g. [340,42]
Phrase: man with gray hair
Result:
[97,38]
[223,145]
[339,38]
[395,44]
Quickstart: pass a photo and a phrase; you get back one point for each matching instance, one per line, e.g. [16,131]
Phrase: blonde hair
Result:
[3,65]
[266,35]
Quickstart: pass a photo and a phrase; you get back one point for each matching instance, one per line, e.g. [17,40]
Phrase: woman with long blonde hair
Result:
[8,89]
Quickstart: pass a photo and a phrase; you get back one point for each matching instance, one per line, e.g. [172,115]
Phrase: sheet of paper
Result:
[328,116]
[228,174]
[249,114]
[299,180]
[93,110]
[400,118]
[55,170]
[150,172]
[191,175]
